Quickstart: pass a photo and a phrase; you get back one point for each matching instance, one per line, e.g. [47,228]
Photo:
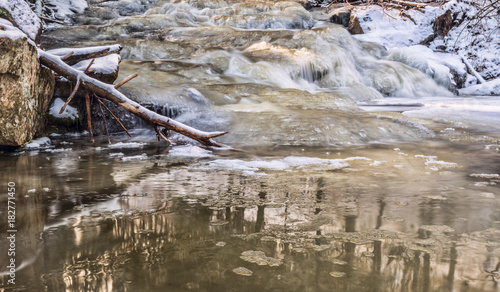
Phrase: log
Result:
[108,92]
[471,69]
[73,56]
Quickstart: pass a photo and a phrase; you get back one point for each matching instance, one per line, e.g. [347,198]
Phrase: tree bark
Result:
[109,92]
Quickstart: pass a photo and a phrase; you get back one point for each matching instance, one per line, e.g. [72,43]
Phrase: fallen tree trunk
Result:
[109,92]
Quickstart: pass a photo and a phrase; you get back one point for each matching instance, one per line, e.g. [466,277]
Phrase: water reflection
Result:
[390,222]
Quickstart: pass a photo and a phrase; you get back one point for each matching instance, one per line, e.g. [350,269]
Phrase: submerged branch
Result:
[109,92]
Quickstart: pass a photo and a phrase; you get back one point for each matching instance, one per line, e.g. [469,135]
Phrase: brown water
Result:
[323,196]
[375,218]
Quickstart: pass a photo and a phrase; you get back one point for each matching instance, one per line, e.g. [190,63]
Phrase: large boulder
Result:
[26,87]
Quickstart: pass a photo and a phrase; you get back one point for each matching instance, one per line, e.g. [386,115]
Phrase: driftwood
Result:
[110,93]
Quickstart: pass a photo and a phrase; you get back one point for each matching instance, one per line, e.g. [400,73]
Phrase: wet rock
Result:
[341,16]
[344,17]
[354,25]
[25,90]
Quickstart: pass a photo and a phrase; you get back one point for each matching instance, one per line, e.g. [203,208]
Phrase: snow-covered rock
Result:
[19,13]
[25,87]
[489,88]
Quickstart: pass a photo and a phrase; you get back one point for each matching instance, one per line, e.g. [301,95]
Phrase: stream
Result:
[352,171]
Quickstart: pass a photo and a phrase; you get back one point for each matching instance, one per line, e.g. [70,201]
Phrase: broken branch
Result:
[115,117]
[70,97]
[89,120]
[159,134]
[104,117]
[126,80]
[88,67]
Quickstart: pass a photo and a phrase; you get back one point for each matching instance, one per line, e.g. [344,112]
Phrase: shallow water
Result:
[352,172]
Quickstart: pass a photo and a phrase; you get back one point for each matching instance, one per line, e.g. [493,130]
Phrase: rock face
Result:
[26,89]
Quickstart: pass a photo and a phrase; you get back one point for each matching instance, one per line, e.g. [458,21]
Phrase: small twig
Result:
[89,119]
[68,55]
[116,118]
[70,97]
[159,134]
[104,117]
[126,80]
[88,67]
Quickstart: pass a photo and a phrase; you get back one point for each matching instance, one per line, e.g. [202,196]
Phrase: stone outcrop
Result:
[26,89]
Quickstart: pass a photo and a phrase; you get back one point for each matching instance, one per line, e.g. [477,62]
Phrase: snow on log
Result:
[479,78]
[73,56]
[109,92]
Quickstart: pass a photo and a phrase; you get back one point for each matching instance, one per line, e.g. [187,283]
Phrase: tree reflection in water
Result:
[117,226]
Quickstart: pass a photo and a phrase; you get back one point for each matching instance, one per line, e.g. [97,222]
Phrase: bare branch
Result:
[88,67]
[70,97]
[126,80]
[89,120]
[115,117]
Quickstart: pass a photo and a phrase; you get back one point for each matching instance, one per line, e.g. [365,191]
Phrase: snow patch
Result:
[190,151]
[489,88]
[390,30]
[10,30]
[143,156]
[485,175]
[105,65]
[66,8]
[69,112]
[287,163]
[39,143]
[61,52]
[129,145]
